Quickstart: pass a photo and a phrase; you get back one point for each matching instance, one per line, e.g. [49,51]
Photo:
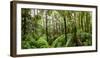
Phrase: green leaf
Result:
[42,43]
[59,41]
[69,39]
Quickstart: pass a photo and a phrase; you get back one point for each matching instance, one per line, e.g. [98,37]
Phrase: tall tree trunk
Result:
[65,29]
[46,24]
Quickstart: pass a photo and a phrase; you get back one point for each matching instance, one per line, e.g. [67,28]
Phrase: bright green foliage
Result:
[58,42]
[55,28]
[42,43]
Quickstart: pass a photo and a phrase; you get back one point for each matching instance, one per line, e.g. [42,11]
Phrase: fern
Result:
[59,41]
[28,42]
[69,40]
[86,38]
[42,43]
